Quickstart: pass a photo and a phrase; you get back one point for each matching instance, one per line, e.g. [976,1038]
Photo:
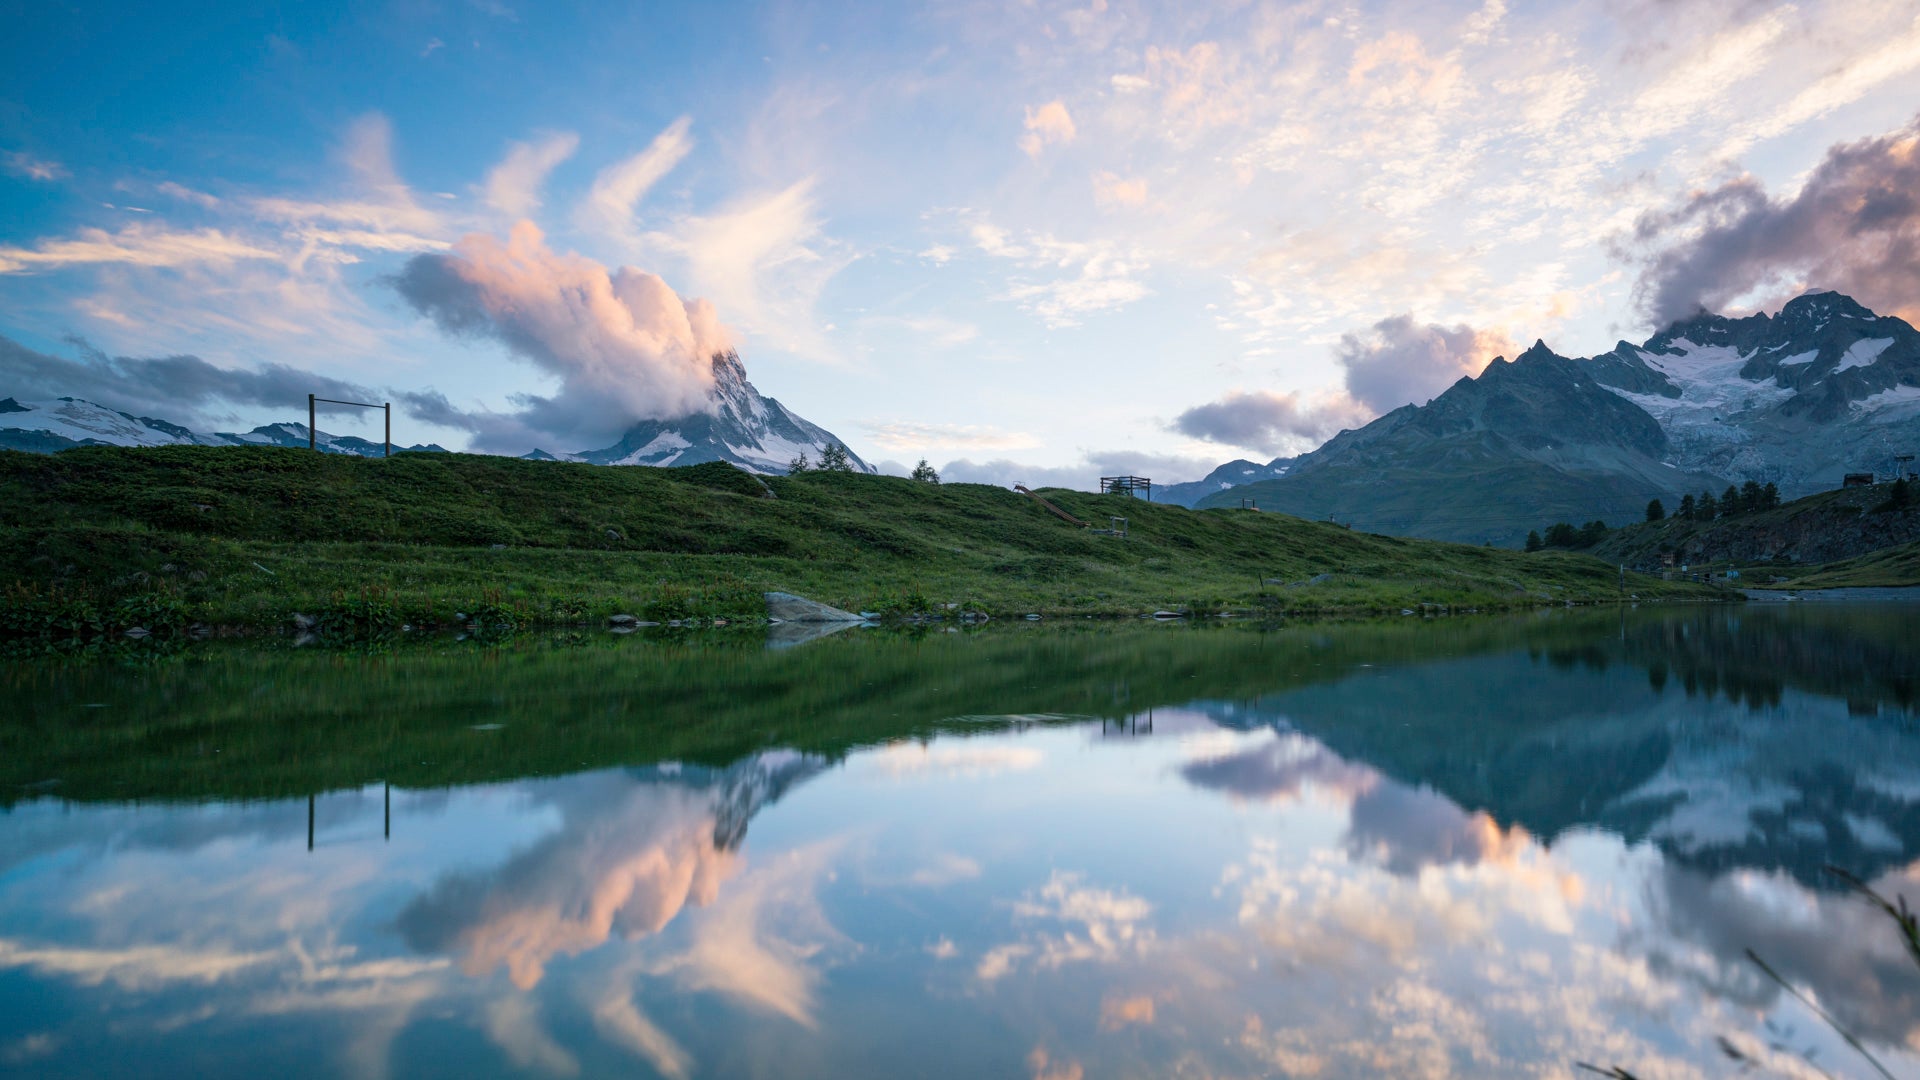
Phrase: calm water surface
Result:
[1417,848]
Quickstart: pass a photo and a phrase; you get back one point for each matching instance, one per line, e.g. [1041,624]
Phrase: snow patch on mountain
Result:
[1863,353]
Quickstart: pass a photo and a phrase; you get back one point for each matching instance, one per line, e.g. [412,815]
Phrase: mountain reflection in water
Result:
[1486,847]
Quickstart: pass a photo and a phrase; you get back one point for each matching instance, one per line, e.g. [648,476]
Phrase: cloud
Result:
[1395,362]
[135,245]
[185,385]
[514,1026]
[28,167]
[1048,124]
[1111,189]
[1281,771]
[1400,361]
[618,189]
[187,194]
[905,759]
[1273,423]
[624,346]
[513,186]
[908,436]
[1853,226]
[764,260]
[1096,926]
[629,864]
[1085,476]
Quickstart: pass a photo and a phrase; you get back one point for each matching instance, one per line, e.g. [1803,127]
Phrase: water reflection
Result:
[1491,849]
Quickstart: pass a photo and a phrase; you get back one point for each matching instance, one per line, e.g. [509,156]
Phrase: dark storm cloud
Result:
[1854,227]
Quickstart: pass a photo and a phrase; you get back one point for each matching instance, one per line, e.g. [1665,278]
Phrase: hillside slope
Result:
[252,534]
[1827,527]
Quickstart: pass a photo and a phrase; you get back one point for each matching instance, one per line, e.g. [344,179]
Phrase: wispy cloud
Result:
[134,245]
[513,186]
[30,167]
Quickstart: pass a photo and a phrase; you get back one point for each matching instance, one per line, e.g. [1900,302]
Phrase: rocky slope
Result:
[1824,388]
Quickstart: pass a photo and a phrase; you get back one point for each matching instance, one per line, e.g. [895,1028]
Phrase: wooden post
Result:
[310,439]
[389,407]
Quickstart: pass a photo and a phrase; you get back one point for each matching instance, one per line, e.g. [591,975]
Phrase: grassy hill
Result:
[1826,528]
[247,536]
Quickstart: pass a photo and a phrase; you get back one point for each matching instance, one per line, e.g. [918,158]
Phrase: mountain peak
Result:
[1825,304]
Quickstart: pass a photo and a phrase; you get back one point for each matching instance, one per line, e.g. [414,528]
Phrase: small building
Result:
[1857,479]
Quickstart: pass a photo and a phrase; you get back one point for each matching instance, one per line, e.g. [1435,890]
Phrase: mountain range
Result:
[1798,399]
[742,427]
[43,427]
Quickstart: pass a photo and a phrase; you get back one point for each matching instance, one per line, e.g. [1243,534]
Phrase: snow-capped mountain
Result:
[743,427]
[1799,399]
[44,427]
[1232,474]
[1825,388]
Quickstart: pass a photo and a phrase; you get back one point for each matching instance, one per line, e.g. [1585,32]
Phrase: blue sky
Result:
[1029,237]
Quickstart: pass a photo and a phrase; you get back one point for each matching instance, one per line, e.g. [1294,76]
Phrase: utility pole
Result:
[310,412]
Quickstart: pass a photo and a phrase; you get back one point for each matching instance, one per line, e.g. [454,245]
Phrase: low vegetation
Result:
[250,536]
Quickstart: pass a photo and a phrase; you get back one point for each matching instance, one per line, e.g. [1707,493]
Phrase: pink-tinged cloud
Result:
[1854,226]
[1046,125]
[631,871]
[625,346]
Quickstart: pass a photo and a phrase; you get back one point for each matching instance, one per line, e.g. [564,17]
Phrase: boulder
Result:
[787,607]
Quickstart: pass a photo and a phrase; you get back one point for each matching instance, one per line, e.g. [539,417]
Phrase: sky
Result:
[1026,241]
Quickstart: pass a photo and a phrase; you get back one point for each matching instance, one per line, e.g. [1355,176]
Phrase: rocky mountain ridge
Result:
[1799,399]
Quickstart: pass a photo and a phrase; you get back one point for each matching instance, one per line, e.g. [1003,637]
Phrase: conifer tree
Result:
[1655,511]
[924,473]
[799,464]
[1533,541]
[834,459]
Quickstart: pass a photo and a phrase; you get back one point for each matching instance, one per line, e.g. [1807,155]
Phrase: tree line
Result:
[1745,499]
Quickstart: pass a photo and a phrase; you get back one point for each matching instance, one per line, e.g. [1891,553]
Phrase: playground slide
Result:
[1052,509]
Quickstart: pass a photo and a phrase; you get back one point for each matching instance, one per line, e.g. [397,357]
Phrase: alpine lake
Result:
[1667,841]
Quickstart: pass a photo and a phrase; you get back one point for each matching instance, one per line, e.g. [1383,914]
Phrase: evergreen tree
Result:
[1705,508]
[834,459]
[1900,497]
[1752,496]
[1655,511]
[1730,502]
[1562,534]
[799,464]
[924,473]
[1533,541]
[1770,495]
[1686,508]
[1592,533]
